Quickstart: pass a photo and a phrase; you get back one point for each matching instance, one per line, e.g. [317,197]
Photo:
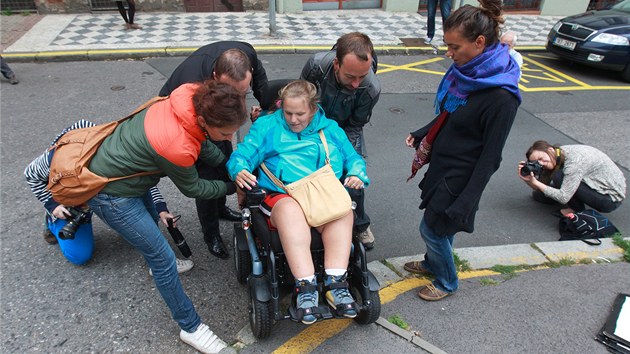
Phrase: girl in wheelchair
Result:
[288,142]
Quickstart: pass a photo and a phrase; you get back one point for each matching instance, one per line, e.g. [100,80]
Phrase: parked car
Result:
[596,38]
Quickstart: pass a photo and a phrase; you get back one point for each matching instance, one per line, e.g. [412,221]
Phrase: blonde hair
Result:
[300,89]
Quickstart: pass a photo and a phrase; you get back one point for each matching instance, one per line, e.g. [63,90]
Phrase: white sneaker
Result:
[183,265]
[203,340]
[428,40]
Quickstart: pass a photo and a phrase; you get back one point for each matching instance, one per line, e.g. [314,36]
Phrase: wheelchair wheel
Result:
[260,317]
[372,312]
[242,259]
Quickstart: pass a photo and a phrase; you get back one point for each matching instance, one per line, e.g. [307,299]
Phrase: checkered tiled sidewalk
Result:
[160,30]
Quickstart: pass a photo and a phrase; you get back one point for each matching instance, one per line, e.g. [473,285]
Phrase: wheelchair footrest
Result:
[322,312]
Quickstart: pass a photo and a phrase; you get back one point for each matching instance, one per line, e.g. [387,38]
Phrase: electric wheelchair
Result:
[261,264]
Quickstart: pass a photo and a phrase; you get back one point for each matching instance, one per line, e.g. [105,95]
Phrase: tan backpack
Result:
[69,180]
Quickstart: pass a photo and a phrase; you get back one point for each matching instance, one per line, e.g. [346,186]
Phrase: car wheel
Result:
[625,74]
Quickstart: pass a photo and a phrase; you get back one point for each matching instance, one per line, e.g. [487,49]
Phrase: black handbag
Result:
[588,226]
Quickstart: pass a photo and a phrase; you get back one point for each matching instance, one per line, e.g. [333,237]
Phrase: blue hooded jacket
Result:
[291,156]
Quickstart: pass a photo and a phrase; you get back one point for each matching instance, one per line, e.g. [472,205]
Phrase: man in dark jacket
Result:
[346,80]
[236,64]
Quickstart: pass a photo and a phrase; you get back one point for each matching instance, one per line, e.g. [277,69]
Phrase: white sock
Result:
[310,278]
[335,272]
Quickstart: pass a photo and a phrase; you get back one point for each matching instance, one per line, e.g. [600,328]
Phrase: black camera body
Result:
[77,217]
[531,166]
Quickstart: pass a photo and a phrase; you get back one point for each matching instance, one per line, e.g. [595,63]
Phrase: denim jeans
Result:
[135,219]
[439,258]
[78,250]
[445,11]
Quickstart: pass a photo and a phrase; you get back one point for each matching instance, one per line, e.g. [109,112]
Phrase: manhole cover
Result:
[396,110]
[117,88]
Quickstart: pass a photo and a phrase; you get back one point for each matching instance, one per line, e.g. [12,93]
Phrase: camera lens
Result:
[68,230]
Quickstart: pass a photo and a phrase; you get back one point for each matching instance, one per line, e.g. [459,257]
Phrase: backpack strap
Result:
[321,67]
[144,106]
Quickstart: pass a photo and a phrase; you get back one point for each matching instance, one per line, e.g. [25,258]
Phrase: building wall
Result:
[256,4]
[548,7]
[83,6]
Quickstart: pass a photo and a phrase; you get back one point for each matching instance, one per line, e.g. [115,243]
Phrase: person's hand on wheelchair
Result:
[353,182]
[244,180]
[255,113]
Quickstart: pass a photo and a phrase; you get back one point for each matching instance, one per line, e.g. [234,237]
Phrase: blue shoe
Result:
[307,300]
[338,296]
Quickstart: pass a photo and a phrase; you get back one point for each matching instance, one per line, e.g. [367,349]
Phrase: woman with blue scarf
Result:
[476,105]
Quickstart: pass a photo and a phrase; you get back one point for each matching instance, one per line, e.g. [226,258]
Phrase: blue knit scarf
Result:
[492,68]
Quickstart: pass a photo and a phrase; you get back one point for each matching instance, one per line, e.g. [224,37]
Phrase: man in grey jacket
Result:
[346,81]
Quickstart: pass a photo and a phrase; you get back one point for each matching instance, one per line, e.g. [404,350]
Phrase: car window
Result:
[622,6]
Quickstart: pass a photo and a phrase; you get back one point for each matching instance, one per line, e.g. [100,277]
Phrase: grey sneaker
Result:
[183,265]
[203,339]
[338,296]
[307,300]
[366,237]
[13,80]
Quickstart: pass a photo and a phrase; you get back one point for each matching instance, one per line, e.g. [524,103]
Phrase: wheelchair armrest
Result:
[254,197]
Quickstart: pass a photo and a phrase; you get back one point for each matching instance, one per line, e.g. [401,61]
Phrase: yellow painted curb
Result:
[315,334]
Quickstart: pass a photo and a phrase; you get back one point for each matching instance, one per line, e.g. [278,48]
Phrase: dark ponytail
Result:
[473,22]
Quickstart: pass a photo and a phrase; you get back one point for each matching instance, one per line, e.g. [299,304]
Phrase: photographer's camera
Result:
[531,166]
[77,217]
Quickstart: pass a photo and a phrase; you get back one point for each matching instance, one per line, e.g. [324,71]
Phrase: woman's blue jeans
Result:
[135,219]
[445,11]
[439,258]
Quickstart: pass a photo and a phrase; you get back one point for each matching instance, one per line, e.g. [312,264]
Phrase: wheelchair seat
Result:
[271,237]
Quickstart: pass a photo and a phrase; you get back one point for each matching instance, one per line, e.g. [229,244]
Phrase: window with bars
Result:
[103,5]
[18,5]
[601,4]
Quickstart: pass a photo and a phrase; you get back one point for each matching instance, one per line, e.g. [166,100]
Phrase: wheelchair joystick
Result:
[255,196]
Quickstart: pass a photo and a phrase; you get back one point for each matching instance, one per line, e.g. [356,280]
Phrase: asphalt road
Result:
[49,305]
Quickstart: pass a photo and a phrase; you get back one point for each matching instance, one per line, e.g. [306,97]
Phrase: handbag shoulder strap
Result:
[272,177]
[323,137]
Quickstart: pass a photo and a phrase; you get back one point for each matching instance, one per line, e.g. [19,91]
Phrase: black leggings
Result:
[132,10]
[585,195]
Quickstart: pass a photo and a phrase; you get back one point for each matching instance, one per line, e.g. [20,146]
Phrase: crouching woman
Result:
[574,176]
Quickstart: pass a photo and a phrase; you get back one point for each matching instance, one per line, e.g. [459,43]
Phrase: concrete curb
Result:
[142,53]
[390,271]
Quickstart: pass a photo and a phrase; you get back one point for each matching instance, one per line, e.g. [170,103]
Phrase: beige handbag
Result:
[321,195]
